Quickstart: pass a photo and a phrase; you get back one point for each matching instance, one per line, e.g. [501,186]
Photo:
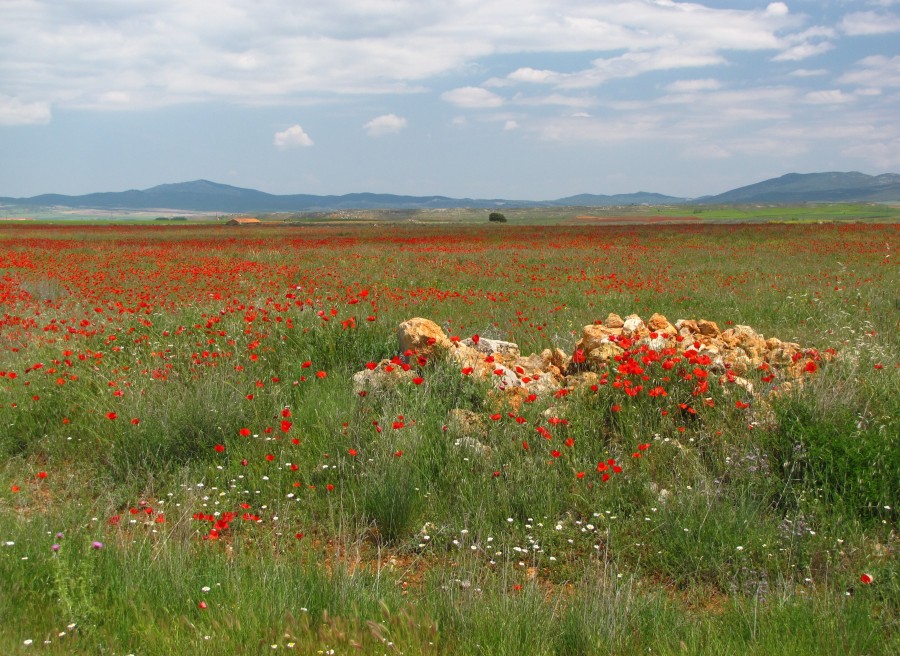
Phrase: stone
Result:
[633,325]
[708,328]
[465,422]
[422,336]
[658,323]
[381,378]
[604,353]
[613,321]
[559,359]
[492,346]
[592,336]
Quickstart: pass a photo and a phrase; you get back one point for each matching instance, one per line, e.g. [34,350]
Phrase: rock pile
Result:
[603,346]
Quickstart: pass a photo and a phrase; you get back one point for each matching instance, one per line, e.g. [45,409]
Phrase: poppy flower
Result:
[418,380]
[245,432]
[42,474]
[111,415]
[866,579]
[220,448]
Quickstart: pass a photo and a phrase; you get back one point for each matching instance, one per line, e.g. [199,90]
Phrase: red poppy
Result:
[112,415]
[867,579]
[220,448]
[418,380]
[245,432]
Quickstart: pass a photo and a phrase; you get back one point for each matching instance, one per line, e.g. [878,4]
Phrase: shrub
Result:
[497,217]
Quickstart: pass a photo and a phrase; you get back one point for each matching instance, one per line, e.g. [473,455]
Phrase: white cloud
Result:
[510,125]
[875,71]
[865,23]
[689,86]
[472,98]
[532,75]
[15,112]
[804,51]
[828,97]
[293,137]
[384,125]
[151,53]
[806,72]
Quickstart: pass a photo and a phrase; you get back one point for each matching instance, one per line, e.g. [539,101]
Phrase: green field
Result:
[186,466]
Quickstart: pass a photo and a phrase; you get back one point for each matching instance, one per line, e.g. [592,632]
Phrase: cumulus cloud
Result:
[384,125]
[293,137]
[15,112]
[472,98]
[511,125]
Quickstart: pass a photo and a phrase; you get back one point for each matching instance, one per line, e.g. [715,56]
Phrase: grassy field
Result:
[186,467]
[534,216]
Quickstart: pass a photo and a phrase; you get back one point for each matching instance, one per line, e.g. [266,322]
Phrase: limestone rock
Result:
[613,321]
[592,336]
[384,376]
[708,328]
[492,346]
[422,336]
[658,322]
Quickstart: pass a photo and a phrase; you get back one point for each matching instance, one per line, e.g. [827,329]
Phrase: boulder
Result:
[658,323]
[708,328]
[613,321]
[422,336]
[604,353]
[492,346]
[384,376]
[633,325]
[592,336]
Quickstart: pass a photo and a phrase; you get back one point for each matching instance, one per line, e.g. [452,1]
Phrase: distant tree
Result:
[496,216]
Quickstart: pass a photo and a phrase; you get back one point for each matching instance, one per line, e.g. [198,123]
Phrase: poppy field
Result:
[190,464]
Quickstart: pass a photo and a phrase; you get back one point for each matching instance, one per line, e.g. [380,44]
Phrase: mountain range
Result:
[206,196]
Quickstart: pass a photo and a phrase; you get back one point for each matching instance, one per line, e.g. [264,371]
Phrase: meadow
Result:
[186,467]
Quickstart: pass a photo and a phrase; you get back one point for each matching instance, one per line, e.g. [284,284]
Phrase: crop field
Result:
[213,440]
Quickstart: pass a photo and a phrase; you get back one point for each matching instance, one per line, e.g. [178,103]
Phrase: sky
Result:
[516,99]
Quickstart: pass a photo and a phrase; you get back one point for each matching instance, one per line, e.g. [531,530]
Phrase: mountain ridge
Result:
[205,195]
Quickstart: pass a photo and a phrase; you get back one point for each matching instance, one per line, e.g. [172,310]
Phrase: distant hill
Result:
[206,196]
[835,187]
[595,200]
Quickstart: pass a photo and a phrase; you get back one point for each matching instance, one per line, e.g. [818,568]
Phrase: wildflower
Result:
[96,545]
[220,448]
[866,579]
[111,415]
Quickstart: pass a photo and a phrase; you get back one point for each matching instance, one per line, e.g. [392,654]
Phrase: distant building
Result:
[244,220]
[16,218]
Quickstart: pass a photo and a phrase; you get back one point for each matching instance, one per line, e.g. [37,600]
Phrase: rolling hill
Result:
[206,196]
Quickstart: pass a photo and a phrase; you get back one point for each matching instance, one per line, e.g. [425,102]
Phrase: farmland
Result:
[188,467]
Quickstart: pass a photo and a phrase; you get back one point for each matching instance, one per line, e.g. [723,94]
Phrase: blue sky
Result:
[528,99]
